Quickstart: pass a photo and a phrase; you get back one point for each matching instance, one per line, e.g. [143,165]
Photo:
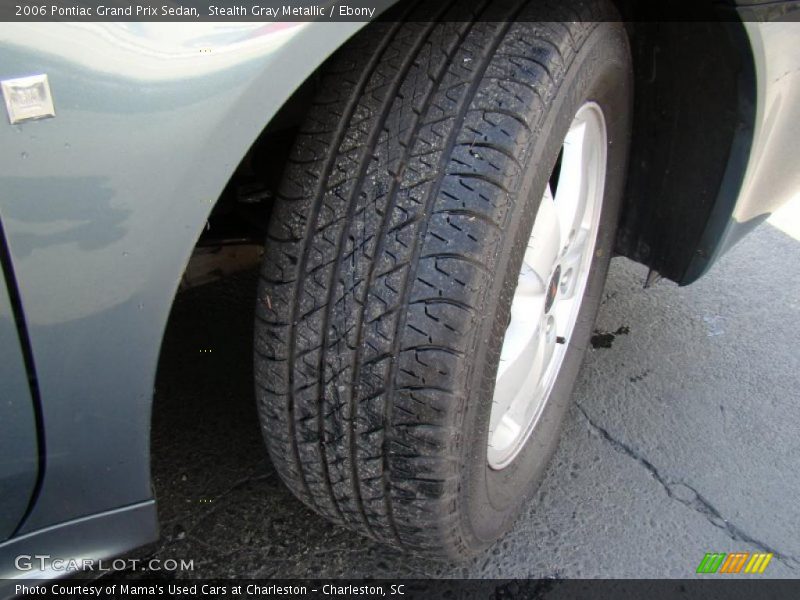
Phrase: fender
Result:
[103,205]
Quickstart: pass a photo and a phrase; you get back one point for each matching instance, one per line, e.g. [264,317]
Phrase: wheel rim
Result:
[551,284]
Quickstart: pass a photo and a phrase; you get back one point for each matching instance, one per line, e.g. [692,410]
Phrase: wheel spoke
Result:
[544,244]
[519,378]
[570,200]
[545,349]
[515,374]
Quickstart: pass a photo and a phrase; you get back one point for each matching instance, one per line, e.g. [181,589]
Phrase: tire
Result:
[393,254]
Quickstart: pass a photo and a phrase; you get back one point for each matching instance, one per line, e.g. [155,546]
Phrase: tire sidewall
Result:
[490,499]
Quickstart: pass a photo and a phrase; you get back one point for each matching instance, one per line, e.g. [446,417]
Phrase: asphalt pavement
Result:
[684,439]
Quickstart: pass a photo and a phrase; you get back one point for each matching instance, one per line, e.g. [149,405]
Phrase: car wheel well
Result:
[694,113]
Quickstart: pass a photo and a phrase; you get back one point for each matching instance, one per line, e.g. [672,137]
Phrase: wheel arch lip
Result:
[109,198]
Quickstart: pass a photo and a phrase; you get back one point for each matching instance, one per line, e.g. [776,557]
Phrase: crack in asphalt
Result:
[699,503]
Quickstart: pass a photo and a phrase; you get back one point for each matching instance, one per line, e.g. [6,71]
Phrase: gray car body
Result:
[102,206]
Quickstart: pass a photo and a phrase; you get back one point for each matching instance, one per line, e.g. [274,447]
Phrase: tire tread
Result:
[379,253]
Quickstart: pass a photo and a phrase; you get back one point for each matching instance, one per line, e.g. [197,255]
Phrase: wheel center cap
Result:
[552,290]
